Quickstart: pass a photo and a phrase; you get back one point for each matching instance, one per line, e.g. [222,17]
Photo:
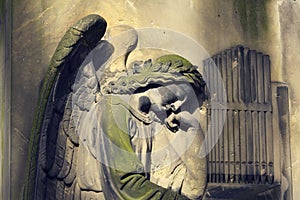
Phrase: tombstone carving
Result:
[102,134]
[107,128]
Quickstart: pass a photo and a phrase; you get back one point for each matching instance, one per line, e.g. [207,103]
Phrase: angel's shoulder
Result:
[113,105]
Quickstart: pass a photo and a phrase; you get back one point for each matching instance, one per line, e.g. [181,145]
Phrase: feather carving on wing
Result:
[60,166]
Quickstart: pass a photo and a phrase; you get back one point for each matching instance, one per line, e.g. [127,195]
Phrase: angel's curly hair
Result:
[166,69]
[186,69]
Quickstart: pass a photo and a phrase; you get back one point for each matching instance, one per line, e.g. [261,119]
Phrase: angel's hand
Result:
[176,105]
[172,122]
[183,120]
[170,107]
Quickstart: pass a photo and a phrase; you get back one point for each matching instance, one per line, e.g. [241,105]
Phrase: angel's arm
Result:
[123,169]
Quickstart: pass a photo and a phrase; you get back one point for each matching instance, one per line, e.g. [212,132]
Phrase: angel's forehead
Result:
[171,91]
[173,88]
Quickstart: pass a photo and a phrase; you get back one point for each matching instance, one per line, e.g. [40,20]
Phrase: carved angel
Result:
[102,135]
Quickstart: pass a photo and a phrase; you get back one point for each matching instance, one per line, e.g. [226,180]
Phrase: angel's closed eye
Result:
[144,104]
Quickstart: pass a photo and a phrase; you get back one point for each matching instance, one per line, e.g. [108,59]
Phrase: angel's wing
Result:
[52,169]
[62,162]
[63,153]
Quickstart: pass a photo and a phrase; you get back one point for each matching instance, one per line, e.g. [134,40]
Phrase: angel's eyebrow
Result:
[167,95]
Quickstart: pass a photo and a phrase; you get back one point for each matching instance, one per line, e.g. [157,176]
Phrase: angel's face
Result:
[164,100]
[165,97]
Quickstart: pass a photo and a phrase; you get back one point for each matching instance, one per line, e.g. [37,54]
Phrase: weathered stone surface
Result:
[5,98]
[39,25]
[290,38]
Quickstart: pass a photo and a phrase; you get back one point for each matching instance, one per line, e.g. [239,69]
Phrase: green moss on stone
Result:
[2,125]
[241,10]
[2,7]
[253,16]
[264,15]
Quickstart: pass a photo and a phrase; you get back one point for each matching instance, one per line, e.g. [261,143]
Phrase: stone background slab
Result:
[271,26]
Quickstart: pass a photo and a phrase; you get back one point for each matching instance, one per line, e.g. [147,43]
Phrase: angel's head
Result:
[166,70]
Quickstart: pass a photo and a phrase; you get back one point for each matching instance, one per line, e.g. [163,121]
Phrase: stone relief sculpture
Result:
[105,134]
